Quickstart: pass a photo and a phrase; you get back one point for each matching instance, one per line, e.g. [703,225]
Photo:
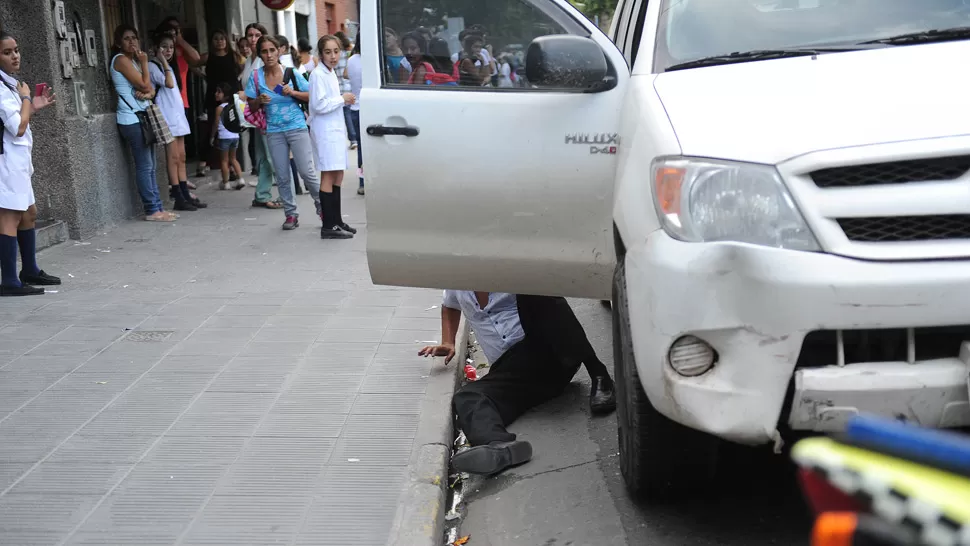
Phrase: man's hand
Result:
[349,98]
[446,350]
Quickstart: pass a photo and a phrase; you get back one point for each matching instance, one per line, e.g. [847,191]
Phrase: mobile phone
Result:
[40,89]
[278,89]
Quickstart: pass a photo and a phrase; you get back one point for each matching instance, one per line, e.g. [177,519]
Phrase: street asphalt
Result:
[572,493]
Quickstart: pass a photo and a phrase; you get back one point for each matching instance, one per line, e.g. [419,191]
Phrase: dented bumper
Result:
[755,306]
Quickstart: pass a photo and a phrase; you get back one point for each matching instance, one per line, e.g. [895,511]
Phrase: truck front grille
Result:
[841,347]
[906,228]
[895,172]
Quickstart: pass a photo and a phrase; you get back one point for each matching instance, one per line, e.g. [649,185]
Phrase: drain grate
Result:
[149,336]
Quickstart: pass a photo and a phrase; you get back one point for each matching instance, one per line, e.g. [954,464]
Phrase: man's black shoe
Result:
[25,290]
[602,397]
[40,279]
[348,229]
[492,458]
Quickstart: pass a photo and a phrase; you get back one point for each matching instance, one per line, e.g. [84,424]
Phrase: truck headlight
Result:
[704,200]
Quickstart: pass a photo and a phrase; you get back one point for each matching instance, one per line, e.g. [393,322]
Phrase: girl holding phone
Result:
[169,100]
[18,213]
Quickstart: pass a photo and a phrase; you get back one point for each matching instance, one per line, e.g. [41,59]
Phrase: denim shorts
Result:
[226,144]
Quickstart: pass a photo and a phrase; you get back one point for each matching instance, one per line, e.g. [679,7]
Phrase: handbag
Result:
[153,127]
[256,117]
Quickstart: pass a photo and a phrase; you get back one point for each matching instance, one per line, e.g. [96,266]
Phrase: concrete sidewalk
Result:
[215,381]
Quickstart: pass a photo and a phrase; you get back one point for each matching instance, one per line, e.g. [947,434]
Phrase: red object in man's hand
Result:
[39,89]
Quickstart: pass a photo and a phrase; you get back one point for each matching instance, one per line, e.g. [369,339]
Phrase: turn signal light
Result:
[668,181]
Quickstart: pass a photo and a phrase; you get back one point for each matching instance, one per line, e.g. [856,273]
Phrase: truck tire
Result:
[659,458]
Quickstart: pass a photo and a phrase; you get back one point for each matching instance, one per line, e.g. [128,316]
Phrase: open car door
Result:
[479,177]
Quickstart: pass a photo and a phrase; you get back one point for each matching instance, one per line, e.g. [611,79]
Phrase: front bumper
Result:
[755,305]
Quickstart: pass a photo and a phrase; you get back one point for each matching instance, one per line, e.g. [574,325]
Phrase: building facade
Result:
[83,176]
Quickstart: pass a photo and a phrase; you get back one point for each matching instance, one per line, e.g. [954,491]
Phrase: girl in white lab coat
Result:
[18,213]
[328,130]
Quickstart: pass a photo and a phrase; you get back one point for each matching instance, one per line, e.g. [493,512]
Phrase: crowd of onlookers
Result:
[424,57]
[295,107]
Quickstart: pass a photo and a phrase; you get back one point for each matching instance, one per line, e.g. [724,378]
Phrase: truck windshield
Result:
[690,30]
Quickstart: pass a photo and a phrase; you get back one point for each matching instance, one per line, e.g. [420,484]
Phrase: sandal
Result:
[161,216]
[267,204]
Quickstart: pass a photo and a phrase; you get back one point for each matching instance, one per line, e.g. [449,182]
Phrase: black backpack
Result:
[289,77]
[230,117]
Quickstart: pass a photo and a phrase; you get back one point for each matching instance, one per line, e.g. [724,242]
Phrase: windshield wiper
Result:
[757,55]
[925,36]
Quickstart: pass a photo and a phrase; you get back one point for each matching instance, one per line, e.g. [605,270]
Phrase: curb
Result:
[420,516]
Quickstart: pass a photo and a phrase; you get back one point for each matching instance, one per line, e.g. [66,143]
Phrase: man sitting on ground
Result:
[534,345]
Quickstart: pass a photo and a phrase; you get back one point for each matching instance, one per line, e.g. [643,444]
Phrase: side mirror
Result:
[562,61]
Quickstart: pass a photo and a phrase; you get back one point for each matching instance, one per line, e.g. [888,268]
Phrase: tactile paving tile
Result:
[302,425]
[245,520]
[113,449]
[73,478]
[388,404]
[195,451]
[381,426]
[372,452]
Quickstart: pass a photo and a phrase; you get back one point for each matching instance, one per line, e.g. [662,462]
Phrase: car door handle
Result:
[381,130]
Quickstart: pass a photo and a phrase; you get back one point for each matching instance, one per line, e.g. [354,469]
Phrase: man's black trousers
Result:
[533,371]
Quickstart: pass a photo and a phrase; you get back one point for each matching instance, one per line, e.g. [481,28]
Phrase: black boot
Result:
[181,203]
[492,458]
[340,218]
[602,397]
[184,189]
[330,229]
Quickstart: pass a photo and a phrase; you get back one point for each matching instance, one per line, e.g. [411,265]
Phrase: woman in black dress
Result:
[221,66]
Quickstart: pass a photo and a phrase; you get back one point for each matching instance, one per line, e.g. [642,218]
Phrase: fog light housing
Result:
[690,356]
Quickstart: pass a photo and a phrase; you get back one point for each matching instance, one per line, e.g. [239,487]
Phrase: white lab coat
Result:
[328,128]
[16,165]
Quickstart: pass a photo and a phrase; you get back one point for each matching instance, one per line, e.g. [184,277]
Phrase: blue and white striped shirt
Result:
[496,327]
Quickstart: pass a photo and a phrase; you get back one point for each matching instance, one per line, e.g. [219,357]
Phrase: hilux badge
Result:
[599,143]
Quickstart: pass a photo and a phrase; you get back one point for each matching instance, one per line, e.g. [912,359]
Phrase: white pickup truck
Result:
[775,194]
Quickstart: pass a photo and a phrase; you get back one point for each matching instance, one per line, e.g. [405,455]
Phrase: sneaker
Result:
[240,184]
[292,222]
[252,183]
[492,458]
[224,185]
[40,279]
[335,233]
[360,190]
[348,229]
[353,145]
[25,290]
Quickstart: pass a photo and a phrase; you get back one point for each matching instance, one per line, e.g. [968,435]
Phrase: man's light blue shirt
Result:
[496,327]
